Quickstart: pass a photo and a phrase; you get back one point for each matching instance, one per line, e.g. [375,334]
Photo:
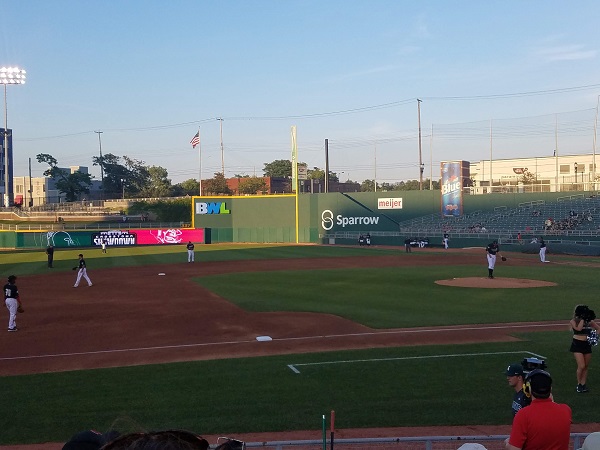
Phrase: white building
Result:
[540,174]
[38,191]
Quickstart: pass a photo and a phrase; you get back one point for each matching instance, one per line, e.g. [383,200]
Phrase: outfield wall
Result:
[94,238]
[272,218]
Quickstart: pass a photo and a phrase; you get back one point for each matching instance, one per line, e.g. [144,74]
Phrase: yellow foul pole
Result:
[295,175]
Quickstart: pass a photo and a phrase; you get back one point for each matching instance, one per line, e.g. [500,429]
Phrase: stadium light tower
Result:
[8,75]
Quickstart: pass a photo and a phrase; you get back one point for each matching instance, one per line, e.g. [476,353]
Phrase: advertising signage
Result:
[159,236]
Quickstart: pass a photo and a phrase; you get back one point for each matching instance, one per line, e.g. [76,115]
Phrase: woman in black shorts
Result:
[582,325]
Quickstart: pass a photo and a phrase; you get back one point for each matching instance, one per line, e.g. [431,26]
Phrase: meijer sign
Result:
[389,203]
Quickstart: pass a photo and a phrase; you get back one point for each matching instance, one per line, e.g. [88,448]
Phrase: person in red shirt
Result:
[543,425]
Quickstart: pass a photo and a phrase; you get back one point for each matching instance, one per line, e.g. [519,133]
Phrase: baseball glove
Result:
[504,258]
[20,309]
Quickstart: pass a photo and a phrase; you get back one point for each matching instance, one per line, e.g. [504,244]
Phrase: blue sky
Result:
[506,77]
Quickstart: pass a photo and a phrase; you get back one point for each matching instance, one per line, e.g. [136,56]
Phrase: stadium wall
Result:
[271,218]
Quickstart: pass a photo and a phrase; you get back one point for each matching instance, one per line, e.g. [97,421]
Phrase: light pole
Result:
[8,75]
[575,164]
[420,154]
[101,164]
[123,188]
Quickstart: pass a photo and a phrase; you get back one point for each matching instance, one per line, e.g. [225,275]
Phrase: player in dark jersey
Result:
[11,299]
[190,251]
[492,249]
[514,375]
[82,272]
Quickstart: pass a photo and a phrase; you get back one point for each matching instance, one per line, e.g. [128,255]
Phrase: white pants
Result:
[491,261]
[543,254]
[82,273]
[446,244]
[190,255]
[12,305]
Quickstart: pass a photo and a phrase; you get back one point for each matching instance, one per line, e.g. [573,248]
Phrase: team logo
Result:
[327,220]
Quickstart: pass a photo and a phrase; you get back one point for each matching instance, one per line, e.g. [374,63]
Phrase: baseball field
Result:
[268,338]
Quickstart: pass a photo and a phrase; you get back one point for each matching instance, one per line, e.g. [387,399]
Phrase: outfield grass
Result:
[407,386]
[408,296]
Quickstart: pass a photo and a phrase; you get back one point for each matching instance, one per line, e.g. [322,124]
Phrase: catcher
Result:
[12,301]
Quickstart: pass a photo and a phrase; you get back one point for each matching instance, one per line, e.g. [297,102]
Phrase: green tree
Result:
[114,172]
[252,185]
[158,184]
[138,177]
[73,185]
[187,187]
[278,168]
[216,185]
[368,186]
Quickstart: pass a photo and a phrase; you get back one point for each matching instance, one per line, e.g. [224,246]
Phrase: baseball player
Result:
[515,377]
[50,253]
[12,301]
[103,245]
[542,250]
[82,272]
[446,240]
[190,250]
[492,250]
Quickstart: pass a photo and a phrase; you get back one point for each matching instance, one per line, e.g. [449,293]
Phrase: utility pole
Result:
[101,164]
[326,165]
[421,168]
[222,153]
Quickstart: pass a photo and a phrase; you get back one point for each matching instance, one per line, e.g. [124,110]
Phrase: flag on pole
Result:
[195,140]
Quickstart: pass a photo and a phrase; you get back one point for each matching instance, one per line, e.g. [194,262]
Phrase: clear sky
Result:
[510,78]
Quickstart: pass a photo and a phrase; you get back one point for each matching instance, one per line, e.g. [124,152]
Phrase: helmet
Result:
[12,278]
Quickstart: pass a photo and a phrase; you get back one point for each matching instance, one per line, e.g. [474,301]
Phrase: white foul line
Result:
[329,336]
[294,369]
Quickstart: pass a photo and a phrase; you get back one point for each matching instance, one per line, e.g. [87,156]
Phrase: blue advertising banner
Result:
[451,181]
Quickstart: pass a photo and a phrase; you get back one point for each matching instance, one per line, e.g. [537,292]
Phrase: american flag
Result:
[195,140]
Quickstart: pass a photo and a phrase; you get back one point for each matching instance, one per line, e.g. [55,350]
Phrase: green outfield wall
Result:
[272,218]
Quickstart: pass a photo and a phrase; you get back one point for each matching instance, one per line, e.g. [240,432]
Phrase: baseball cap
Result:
[89,440]
[514,370]
[541,383]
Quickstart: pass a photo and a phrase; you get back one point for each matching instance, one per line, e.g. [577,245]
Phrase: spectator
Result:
[543,425]
[591,442]
[158,440]
[89,440]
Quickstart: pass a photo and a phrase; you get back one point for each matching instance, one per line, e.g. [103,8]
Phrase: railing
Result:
[491,442]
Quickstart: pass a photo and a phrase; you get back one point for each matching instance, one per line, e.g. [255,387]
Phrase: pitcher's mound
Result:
[498,282]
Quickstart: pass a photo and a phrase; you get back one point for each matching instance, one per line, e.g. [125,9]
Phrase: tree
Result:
[71,184]
[527,177]
[278,168]
[315,174]
[133,174]
[252,185]
[319,174]
[368,186]
[187,187]
[158,184]
[216,185]
[114,172]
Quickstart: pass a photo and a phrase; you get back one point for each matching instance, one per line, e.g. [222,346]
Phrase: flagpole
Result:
[200,161]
